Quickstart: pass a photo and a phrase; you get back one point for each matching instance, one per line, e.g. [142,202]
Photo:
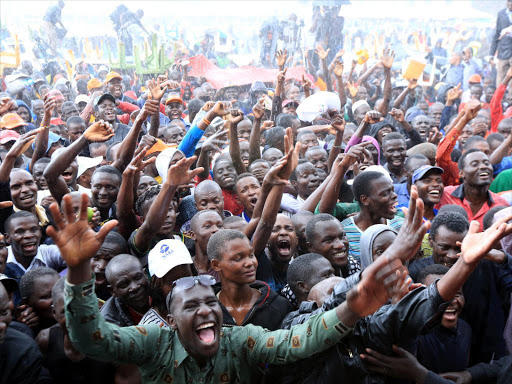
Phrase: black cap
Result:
[105,96]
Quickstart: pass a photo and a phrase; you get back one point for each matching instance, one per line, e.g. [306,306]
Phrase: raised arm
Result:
[234,145]
[129,143]
[387,62]
[278,177]
[306,84]
[322,54]
[407,91]
[502,151]
[281,56]
[41,143]
[19,147]
[178,174]
[338,73]
[255,139]
[277,99]
[332,191]
[213,144]
[338,123]
[100,131]
[126,196]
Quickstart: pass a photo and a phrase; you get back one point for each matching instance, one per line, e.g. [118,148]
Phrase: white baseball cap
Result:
[166,255]
[84,163]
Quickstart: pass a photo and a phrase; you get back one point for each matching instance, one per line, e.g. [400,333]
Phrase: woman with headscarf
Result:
[26,114]
[374,241]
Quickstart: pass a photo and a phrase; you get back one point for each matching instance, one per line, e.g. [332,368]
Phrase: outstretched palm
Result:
[77,242]
[476,245]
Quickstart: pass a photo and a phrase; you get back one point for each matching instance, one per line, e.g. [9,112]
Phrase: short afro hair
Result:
[28,280]
[243,176]
[471,141]
[195,218]
[116,239]
[300,268]
[453,208]
[219,240]
[488,219]
[286,120]
[434,269]
[392,136]
[363,183]
[311,226]
[453,221]
[465,154]
[16,215]
[109,169]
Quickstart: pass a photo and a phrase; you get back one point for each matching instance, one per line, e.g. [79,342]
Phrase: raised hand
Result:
[6,104]
[267,124]
[156,89]
[338,69]
[24,142]
[77,242]
[49,104]
[306,83]
[397,114]
[5,204]
[476,245]
[281,57]
[208,105]
[220,108]
[401,288]
[216,141]
[454,93]
[99,132]
[372,117]
[273,176]
[292,153]
[180,174]
[471,109]
[338,123]
[321,52]
[236,116]
[259,109]
[281,76]
[138,163]
[352,88]
[355,154]
[413,83]
[339,54]
[388,56]
[434,136]
[149,109]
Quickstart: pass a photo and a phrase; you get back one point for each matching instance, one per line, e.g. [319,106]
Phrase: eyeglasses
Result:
[188,282]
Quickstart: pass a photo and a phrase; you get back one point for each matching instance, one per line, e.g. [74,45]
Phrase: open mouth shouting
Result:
[206,333]
[284,248]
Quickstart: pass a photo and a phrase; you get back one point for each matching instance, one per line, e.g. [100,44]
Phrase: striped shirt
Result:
[354,234]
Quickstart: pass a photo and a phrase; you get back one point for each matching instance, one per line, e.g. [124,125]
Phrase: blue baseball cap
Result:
[423,170]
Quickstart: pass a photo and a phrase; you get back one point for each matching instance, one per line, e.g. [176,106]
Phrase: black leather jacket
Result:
[399,324]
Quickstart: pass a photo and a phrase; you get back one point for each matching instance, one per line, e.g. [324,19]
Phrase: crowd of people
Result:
[354,226]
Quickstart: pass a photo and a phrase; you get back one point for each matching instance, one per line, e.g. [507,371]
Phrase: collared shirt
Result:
[455,195]
[47,256]
[402,193]
[162,358]
[40,212]
[396,180]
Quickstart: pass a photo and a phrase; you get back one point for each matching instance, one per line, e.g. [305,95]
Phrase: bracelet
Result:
[336,146]
[207,122]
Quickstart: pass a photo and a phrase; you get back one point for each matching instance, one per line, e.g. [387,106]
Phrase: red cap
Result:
[8,135]
[57,94]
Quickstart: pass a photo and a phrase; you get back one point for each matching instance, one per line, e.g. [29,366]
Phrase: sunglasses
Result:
[190,281]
